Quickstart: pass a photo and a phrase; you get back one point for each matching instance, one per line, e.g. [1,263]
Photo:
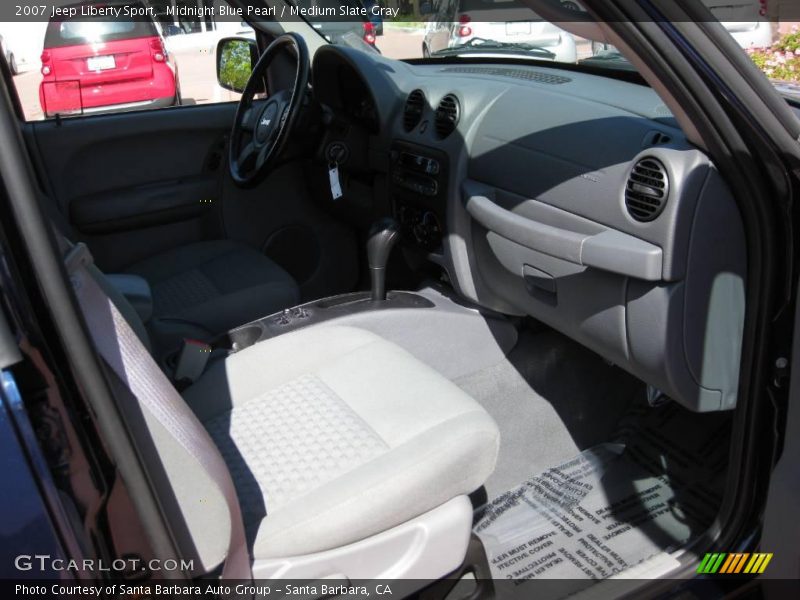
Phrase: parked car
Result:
[742,19]
[495,27]
[373,15]
[745,20]
[337,28]
[91,64]
[748,34]
[9,56]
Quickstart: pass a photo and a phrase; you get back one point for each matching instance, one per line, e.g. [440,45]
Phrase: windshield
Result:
[66,47]
[509,29]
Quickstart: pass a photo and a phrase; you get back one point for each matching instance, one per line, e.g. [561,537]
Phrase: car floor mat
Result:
[652,490]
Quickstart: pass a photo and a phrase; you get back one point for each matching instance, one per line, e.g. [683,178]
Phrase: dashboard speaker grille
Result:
[447,114]
[412,111]
[646,190]
[528,74]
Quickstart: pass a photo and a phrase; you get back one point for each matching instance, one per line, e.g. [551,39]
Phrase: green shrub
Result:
[235,66]
[781,61]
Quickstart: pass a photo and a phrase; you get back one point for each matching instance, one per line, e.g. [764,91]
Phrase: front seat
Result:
[207,288]
[333,435]
[347,455]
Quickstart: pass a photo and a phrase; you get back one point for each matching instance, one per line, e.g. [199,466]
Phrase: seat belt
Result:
[121,350]
[192,360]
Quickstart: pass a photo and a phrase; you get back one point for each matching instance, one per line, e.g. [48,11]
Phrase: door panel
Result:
[134,184]
[136,207]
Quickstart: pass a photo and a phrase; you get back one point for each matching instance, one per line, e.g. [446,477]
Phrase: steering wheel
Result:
[262,127]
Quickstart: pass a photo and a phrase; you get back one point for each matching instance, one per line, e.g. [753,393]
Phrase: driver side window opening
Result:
[167,60]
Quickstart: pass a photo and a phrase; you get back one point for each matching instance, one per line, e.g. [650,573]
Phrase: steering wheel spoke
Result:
[245,156]
[262,127]
[263,154]
[250,116]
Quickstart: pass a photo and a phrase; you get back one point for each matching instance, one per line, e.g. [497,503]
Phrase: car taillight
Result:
[157,50]
[46,68]
[369,33]
[464,30]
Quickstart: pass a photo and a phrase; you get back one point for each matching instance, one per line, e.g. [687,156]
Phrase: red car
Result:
[92,65]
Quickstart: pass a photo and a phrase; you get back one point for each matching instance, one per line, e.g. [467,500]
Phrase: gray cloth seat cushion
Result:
[215,286]
[333,434]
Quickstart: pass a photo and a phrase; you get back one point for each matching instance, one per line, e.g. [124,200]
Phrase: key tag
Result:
[333,176]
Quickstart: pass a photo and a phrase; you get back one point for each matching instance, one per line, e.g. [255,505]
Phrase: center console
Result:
[313,313]
[384,234]
[418,180]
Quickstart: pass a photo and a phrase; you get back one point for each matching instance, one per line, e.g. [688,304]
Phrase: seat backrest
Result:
[123,306]
[128,311]
[190,476]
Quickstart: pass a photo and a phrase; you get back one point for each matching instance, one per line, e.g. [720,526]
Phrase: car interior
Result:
[454,316]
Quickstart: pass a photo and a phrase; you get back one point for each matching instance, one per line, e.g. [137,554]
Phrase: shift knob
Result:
[383,235]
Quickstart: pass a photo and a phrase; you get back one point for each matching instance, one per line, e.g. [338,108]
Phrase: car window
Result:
[88,63]
[95,31]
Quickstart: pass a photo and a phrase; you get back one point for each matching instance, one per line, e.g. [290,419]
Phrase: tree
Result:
[235,64]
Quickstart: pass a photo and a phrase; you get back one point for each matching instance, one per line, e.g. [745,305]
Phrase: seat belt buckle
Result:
[192,360]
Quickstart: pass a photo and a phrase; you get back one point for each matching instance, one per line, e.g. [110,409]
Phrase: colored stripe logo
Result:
[733,563]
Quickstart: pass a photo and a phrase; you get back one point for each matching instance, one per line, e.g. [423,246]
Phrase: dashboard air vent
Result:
[646,190]
[447,114]
[412,111]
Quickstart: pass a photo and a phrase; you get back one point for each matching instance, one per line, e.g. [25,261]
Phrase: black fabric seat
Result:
[203,289]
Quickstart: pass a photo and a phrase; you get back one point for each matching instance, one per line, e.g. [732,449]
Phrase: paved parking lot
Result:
[400,43]
[197,74]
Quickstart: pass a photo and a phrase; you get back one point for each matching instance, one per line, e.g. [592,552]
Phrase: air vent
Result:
[447,114]
[412,111]
[646,190]
[655,138]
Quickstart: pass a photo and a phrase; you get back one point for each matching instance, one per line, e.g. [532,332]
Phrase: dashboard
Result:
[356,101]
[573,198]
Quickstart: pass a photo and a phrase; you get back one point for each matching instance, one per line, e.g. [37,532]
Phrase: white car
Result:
[745,20]
[21,45]
[494,27]
[750,34]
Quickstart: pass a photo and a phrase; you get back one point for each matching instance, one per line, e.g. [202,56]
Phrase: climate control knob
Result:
[428,231]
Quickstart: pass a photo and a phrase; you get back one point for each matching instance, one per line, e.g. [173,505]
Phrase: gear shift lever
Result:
[382,237]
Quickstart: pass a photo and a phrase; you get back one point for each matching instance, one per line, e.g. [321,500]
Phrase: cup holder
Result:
[245,336]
